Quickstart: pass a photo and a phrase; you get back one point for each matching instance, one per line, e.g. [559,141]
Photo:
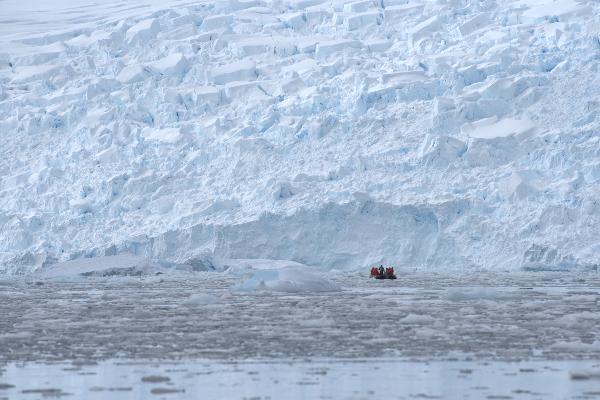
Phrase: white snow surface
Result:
[442,134]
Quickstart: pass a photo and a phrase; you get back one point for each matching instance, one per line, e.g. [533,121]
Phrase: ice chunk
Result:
[393,3]
[143,31]
[242,267]
[508,88]
[303,67]
[248,90]
[165,135]
[175,65]
[82,206]
[108,155]
[284,47]
[377,46]
[441,151]
[479,293]
[289,279]
[443,104]
[201,95]
[403,77]
[392,13]
[294,20]
[425,28]
[252,46]
[358,6]
[326,48]
[302,4]
[519,185]
[279,275]
[239,71]
[41,55]
[100,86]
[400,86]
[216,22]
[583,374]
[359,20]
[475,23]
[133,73]
[36,72]
[558,9]
[417,319]
[490,128]
[200,300]
[471,74]
[236,5]
[283,190]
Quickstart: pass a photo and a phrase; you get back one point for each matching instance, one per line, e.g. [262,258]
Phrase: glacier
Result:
[446,134]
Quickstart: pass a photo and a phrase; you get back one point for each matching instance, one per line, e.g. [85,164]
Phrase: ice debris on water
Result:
[585,374]
[201,299]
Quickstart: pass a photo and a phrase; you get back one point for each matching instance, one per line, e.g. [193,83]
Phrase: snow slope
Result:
[430,134]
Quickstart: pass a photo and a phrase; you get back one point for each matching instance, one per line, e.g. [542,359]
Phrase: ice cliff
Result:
[448,134]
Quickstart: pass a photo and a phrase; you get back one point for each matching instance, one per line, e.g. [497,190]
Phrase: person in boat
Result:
[374,272]
[389,273]
[381,272]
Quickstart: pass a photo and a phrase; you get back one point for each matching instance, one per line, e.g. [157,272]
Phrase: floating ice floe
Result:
[280,276]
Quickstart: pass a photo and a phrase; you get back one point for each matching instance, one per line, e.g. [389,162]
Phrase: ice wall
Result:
[428,134]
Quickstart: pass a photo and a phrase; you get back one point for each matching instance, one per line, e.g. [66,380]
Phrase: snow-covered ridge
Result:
[430,134]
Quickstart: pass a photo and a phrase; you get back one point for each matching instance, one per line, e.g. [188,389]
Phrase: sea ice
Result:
[290,280]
